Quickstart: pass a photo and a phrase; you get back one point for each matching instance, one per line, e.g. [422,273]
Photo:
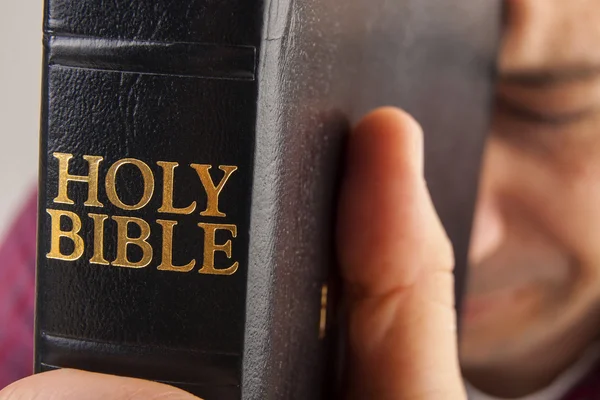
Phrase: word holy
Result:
[123,240]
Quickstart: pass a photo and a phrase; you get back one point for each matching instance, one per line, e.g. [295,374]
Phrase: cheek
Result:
[558,194]
[562,32]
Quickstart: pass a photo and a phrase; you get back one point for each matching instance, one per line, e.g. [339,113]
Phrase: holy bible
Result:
[190,152]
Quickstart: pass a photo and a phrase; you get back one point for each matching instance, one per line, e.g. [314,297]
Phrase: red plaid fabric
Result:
[17,282]
[588,388]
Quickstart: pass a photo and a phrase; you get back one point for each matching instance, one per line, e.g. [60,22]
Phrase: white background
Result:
[20,75]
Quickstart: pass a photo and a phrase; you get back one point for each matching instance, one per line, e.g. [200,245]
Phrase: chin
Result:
[541,328]
[498,353]
[527,353]
[504,327]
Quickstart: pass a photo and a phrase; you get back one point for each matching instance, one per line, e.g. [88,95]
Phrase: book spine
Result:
[146,166]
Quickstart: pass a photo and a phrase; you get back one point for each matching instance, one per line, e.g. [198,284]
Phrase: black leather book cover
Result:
[188,164]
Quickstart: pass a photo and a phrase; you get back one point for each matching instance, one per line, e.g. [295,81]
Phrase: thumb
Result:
[397,263]
[71,384]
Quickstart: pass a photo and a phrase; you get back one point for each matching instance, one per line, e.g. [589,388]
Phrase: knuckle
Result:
[443,257]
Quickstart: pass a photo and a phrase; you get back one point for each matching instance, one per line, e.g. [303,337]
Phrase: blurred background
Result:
[20,74]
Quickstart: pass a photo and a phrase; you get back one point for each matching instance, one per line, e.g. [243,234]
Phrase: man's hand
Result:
[397,264]
[70,384]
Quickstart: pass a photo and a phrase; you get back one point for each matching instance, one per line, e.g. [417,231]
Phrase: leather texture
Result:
[155,81]
[323,64]
[270,87]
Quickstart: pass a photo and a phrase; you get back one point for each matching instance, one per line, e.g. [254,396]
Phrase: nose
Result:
[488,226]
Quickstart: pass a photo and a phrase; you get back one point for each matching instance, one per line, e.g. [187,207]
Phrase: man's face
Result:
[533,302]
